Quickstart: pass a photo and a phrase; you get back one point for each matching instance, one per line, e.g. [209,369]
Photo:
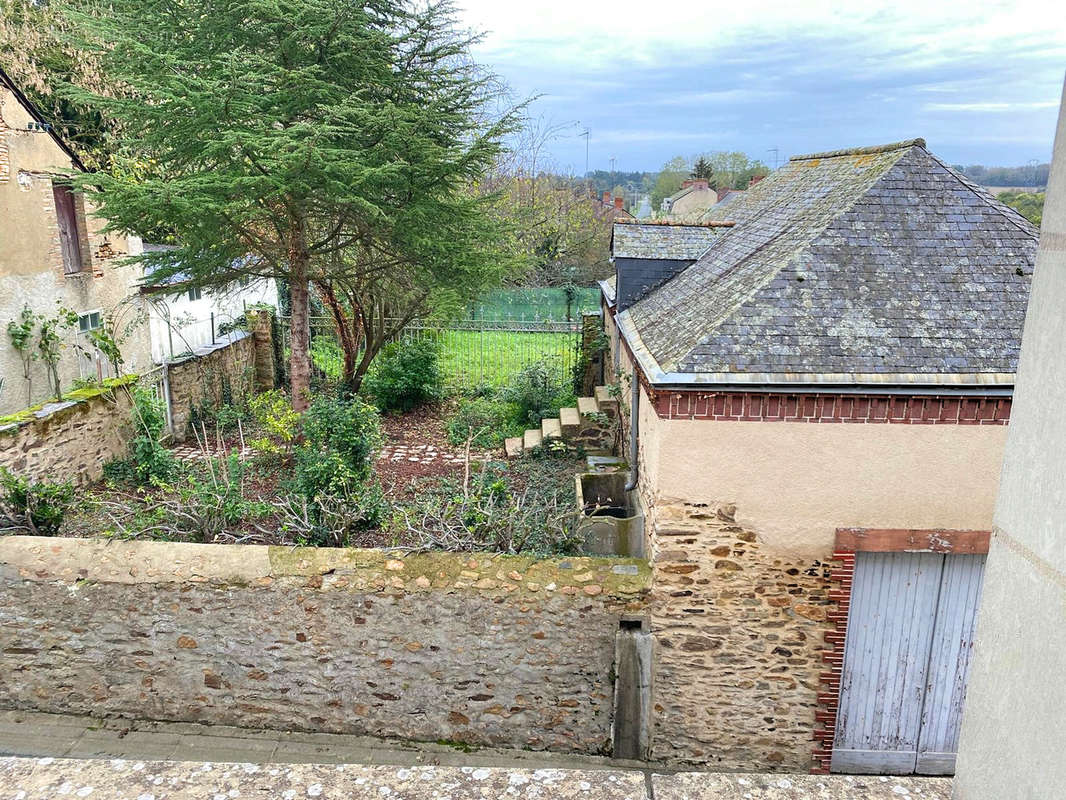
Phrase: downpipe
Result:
[634,425]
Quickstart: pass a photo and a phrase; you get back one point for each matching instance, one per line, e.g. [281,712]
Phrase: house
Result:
[192,317]
[52,255]
[613,208]
[818,408]
[693,198]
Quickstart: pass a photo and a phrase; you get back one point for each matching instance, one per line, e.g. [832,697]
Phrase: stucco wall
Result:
[31,265]
[476,648]
[1013,726]
[795,483]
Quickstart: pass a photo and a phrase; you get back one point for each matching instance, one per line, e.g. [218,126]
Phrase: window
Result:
[195,293]
[89,322]
[67,220]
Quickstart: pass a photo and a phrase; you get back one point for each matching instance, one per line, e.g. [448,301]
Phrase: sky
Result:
[979,81]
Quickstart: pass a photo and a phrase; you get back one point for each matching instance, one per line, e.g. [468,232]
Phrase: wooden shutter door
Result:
[886,657]
[949,664]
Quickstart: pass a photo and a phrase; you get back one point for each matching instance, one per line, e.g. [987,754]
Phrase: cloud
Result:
[769,74]
[990,107]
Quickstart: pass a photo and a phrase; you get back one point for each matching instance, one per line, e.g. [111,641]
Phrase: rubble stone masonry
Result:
[739,634]
[476,648]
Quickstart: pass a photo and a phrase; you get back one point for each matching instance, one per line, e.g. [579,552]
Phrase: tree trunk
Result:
[299,331]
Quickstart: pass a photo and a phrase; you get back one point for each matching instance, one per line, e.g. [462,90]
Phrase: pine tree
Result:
[305,140]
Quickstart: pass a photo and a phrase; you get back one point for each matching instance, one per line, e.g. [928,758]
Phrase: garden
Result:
[410,462]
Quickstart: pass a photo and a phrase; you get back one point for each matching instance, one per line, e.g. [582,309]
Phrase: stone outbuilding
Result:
[822,399]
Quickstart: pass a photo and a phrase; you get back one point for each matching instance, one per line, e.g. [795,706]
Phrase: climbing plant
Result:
[20,332]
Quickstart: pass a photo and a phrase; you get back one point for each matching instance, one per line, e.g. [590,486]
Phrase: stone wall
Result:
[72,440]
[483,649]
[211,375]
[739,630]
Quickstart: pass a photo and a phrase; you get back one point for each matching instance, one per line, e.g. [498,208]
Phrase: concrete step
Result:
[587,405]
[570,419]
[512,446]
[551,428]
[608,404]
[531,439]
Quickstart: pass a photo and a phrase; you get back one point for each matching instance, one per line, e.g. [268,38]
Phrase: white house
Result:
[194,317]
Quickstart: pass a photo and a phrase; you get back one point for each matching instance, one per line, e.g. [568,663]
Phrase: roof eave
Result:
[984,384]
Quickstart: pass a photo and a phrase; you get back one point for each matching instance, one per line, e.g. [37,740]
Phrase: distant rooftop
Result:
[664,240]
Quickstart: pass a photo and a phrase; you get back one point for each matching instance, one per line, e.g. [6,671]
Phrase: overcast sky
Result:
[979,80]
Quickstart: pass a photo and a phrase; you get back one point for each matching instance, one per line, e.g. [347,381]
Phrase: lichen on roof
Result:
[663,241]
[877,260]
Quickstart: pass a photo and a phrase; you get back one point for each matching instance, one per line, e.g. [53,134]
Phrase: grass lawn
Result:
[471,357]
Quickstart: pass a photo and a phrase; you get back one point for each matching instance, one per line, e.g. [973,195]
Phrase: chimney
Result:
[695,183]
[606,197]
[618,202]
[755,179]
[722,194]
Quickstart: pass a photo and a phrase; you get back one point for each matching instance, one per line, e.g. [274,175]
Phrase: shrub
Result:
[274,413]
[491,420]
[37,508]
[340,438]
[489,513]
[405,375]
[334,521]
[149,463]
[537,392]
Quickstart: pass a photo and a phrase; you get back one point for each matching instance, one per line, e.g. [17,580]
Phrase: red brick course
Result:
[830,408]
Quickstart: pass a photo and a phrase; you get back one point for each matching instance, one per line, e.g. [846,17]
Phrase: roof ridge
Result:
[672,223]
[862,151]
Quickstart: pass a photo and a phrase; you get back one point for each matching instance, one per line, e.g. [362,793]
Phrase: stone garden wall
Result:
[71,440]
[483,649]
[740,635]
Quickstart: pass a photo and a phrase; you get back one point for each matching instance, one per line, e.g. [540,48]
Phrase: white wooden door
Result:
[949,664]
[906,659]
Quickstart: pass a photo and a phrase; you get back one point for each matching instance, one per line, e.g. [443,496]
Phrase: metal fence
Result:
[472,352]
[158,383]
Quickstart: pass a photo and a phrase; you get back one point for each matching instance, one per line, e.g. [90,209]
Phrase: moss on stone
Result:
[77,396]
[494,573]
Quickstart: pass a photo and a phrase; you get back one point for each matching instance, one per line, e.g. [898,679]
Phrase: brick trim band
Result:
[825,408]
[850,541]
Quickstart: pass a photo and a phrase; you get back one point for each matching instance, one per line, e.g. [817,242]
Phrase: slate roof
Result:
[870,266]
[662,241]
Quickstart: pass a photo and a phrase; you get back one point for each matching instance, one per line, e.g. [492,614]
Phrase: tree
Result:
[669,180]
[37,52]
[702,169]
[286,138]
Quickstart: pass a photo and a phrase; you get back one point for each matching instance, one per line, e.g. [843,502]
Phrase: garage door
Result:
[906,660]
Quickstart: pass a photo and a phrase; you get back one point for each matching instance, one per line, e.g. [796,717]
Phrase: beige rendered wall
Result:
[795,483]
[31,266]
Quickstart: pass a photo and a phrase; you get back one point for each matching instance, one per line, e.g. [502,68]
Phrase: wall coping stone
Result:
[46,559]
[11,423]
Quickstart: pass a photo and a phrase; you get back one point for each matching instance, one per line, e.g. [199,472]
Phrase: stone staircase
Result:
[589,426]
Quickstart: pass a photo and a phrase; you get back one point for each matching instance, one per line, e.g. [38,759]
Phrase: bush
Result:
[490,419]
[36,508]
[537,392]
[340,438]
[405,375]
[149,463]
[490,513]
[273,411]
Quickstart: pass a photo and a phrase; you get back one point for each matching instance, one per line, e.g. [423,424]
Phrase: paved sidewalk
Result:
[119,779]
[125,760]
[27,733]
